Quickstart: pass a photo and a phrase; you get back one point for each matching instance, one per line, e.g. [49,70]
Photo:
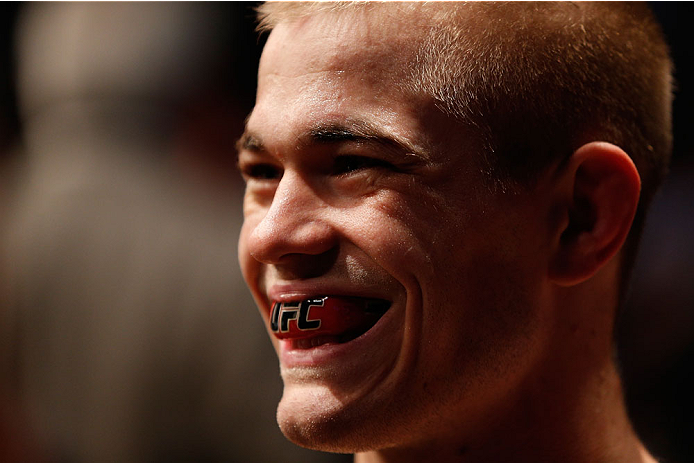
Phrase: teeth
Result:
[308,343]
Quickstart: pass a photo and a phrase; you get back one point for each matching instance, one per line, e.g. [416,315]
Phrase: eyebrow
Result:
[249,142]
[334,133]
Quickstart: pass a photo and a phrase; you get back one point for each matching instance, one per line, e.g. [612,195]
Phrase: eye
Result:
[347,164]
[261,171]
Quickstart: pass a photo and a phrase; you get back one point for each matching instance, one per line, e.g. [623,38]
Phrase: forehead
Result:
[336,67]
[370,38]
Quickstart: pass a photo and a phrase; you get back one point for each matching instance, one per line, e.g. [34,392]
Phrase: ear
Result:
[605,187]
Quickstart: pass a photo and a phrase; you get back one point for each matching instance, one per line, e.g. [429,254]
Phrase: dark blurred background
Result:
[657,333]
[126,333]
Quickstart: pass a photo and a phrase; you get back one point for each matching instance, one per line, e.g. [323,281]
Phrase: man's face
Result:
[357,189]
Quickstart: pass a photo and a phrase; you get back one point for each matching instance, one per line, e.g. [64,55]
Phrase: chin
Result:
[317,420]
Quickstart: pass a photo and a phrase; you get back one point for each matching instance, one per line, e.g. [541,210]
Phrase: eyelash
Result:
[342,165]
[348,164]
[261,171]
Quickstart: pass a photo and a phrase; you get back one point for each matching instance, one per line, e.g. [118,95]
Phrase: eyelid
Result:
[257,167]
[262,171]
[341,165]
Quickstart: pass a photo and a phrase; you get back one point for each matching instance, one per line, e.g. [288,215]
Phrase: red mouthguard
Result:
[333,316]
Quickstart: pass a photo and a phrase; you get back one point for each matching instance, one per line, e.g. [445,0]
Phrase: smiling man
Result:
[437,223]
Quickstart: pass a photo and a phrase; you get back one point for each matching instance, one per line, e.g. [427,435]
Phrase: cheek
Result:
[419,230]
[252,274]
[483,300]
[391,229]
[249,266]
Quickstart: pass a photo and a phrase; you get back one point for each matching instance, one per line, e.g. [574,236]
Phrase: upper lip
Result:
[287,292]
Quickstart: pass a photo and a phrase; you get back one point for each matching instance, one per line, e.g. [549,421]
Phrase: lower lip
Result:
[330,353]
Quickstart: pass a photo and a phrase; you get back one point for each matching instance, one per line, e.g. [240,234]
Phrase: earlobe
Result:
[605,187]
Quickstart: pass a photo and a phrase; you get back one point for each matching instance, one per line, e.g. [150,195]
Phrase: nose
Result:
[295,227]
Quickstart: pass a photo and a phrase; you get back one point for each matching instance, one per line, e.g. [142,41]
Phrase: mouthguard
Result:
[330,315]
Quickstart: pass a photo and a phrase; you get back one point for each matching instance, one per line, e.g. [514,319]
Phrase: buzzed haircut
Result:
[536,81]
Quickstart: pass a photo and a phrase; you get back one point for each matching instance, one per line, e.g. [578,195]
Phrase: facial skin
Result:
[356,188]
